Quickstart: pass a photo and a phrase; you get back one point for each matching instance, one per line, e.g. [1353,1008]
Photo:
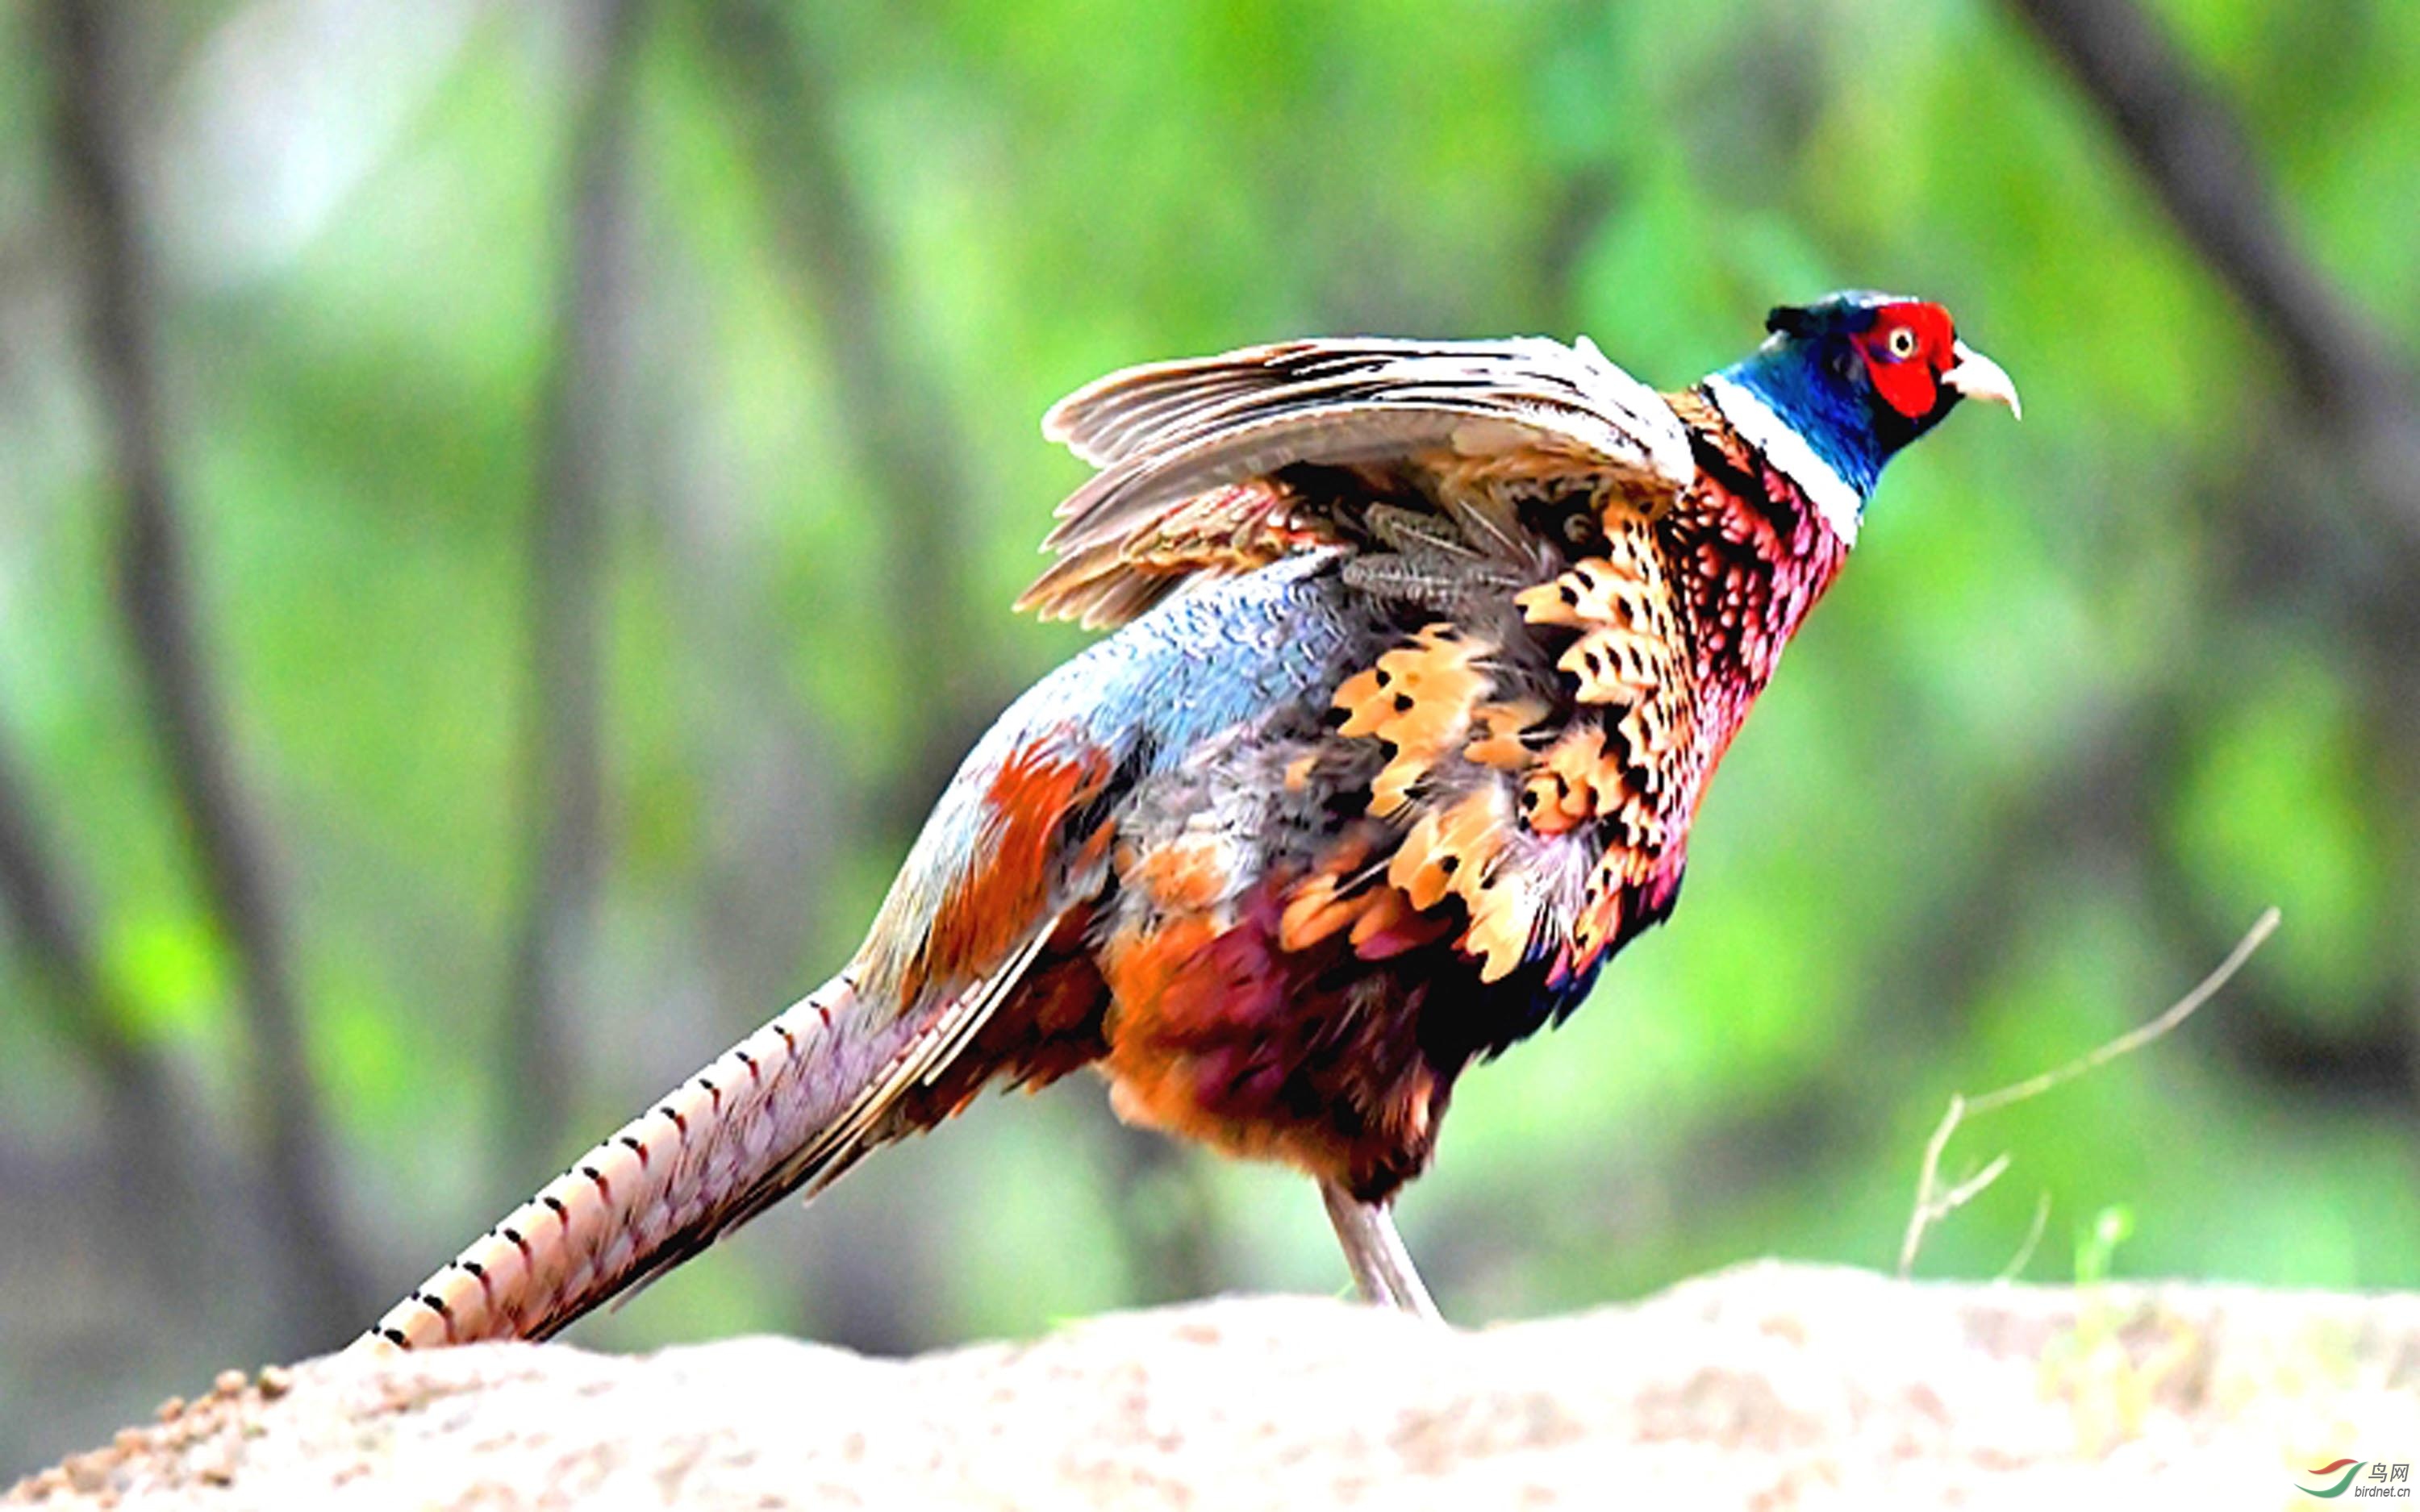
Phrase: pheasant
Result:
[1425,652]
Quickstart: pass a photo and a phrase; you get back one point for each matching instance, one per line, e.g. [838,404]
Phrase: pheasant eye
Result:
[1901,341]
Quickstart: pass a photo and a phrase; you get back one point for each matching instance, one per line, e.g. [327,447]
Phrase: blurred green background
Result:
[507,514]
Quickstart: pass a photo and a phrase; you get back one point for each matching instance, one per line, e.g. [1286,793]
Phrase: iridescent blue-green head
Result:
[1840,385]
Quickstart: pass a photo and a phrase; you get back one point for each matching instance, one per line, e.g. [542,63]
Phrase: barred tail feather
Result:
[797,1101]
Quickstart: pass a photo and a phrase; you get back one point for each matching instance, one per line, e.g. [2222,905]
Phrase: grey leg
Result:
[1381,1266]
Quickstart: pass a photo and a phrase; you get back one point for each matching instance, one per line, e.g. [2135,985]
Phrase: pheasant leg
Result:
[1381,1266]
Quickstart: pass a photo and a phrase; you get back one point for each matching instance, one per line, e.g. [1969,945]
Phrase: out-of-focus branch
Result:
[2196,158]
[2363,395]
[54,942]
[325,1293]
[898,426]
[561,782]
[147,1123]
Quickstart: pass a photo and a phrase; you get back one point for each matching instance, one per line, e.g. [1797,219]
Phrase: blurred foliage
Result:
[2088,697]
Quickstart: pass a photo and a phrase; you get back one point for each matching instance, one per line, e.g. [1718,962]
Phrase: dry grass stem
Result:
[1933,1203]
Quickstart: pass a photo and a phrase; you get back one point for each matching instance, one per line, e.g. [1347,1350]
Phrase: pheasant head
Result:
[1841,384]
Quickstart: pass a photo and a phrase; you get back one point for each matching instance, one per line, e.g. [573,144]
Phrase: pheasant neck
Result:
[1755,551]
[1807,447]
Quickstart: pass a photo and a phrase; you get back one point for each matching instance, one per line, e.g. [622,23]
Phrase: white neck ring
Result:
[1788,455]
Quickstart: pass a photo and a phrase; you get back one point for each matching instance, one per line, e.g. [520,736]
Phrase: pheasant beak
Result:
[1978,377]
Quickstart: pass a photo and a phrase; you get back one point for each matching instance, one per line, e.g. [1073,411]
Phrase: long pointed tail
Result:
[797,1101]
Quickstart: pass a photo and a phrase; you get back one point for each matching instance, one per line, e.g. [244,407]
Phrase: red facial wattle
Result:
[1905,351]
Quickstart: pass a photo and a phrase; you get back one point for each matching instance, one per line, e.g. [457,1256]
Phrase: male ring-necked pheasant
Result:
[1426,652]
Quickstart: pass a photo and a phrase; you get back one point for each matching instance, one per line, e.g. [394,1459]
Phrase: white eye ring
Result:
[1901,341]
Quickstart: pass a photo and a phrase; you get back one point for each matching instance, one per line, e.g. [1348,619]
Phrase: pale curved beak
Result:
[1978,377]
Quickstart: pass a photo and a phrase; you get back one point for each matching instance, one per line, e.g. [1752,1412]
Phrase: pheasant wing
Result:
[1191,451]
